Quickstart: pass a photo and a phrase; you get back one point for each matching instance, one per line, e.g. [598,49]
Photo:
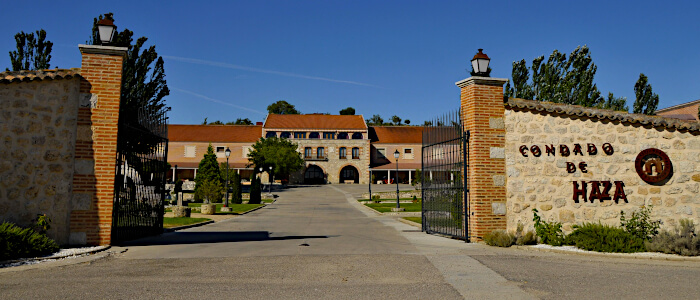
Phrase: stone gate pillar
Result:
[96,144]
[482,114]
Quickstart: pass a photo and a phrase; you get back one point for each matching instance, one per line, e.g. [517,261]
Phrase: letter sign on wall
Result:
[653,166]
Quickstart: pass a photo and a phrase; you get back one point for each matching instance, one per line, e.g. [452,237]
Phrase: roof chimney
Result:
[258,123]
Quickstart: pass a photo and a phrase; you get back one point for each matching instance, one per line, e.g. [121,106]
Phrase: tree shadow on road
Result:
[205,237]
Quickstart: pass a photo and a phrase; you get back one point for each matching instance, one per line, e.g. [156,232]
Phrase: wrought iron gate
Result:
[139,186]
[445,158]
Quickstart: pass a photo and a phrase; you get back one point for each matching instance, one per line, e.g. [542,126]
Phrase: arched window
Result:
[313,135]
[270,134]
[343,153]
[343,136]
[355,153]
[319,153]
[285,135]
[357,136]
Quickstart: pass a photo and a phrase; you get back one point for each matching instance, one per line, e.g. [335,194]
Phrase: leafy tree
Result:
[205,121]
[143,80]
[614,103]
[209,190]
[407,122]
[208,170]
[559,79]
[646,101]
[245,121]
[375,120]
[33,52]
[396,120]
[282,108]
[348,111]
[427,123]
[217,122]
[281,154]
[255,190]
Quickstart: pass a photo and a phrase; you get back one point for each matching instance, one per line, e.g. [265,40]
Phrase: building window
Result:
[319,153]
[381,152]
[307,152]
[343,136]
[220,149]
[270,134]
[190,151]
[355,153]
[314,135]
[408,153]
[342,153]
[245,150]
[285,135]
[300,135]
[357,136]
[328,135]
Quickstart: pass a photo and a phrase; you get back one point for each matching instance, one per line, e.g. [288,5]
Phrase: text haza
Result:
[599,190]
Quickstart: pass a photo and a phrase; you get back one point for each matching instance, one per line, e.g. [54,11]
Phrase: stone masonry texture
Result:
[544,183]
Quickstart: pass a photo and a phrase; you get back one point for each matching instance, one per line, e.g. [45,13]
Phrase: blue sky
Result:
[230,59]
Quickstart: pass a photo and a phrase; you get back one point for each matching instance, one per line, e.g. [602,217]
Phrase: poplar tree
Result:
[207,171]
[33,52]
[646,101]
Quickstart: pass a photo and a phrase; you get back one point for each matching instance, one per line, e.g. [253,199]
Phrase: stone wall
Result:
[545,182]
[334,164]
[38,129]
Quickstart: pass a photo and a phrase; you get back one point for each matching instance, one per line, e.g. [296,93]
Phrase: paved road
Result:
[316,242]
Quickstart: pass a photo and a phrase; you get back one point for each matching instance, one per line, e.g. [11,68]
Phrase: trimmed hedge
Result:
[604,238]
[16,242]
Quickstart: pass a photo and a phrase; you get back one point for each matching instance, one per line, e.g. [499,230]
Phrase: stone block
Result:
[496,123]
[566,216]
[499,180]
[77,238]
[498,208]
[81,201]
[181,211]
[497,152]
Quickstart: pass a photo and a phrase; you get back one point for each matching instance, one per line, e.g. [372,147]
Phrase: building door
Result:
[349,173]
[314,175]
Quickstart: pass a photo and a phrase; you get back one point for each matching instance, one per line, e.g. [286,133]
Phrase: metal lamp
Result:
[228,153]
[480,63]
[396,177]
[106,30]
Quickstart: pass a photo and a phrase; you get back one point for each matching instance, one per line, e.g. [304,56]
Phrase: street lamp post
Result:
[270,180]
[396,177]
[228,153]
[369,167]
[177,199]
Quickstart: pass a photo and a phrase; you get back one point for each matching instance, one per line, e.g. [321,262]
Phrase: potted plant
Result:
[210,191]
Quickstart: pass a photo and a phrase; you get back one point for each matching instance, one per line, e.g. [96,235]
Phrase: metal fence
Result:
[445,157]
[139,190]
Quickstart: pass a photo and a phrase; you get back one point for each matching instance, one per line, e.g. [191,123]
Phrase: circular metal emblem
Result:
[653,165]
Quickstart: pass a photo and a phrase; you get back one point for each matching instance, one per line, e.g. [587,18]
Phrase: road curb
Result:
[3,264]
[414,224]
[656,256]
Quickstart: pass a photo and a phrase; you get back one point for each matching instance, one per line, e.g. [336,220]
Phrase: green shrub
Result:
[236,188]
[549,233]
[604,238]
[527,238]
[16,242]
[255,190]
[683,240]
[640,223]
[375,199]
[499,238]
[415,199]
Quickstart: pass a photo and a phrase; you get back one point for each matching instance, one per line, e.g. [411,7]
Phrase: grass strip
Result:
[177,222]
[386,207]
[418,220]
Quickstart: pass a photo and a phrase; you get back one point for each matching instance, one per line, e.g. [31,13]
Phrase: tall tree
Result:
[217,122]
[396,120]
[208,170]
[236,190]
[375,120]
[559,79]
[347,111]
[245,121]
[143,76]
[646,101]
[33,52]
[282,108]
[255,190]
[614,103]
[279,153]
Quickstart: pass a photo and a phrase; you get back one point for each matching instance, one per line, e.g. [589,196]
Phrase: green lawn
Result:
[418,220]
[175,222]
[387,199]
[237,208]
[386,207]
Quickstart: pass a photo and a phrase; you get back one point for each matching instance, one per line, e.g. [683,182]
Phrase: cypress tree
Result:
[255,197]
[236,188]
[646,100]
[208,170]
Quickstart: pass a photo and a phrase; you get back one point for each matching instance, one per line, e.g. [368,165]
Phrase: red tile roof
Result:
[17,76]
[396,134]
[275,121]
[214,133]
[685,111]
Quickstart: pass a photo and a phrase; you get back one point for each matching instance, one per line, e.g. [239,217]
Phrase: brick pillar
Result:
[96,144]
[482,114]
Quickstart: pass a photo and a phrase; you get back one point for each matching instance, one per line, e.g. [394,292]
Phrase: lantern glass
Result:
[483,65]
[228,152]
[396,154]
[106,33]
[475,65]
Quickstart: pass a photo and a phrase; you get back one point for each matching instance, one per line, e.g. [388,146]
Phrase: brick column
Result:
[96,144]
[482,114]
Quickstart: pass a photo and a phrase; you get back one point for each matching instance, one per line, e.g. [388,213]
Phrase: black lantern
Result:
[106,29]
[480,64]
